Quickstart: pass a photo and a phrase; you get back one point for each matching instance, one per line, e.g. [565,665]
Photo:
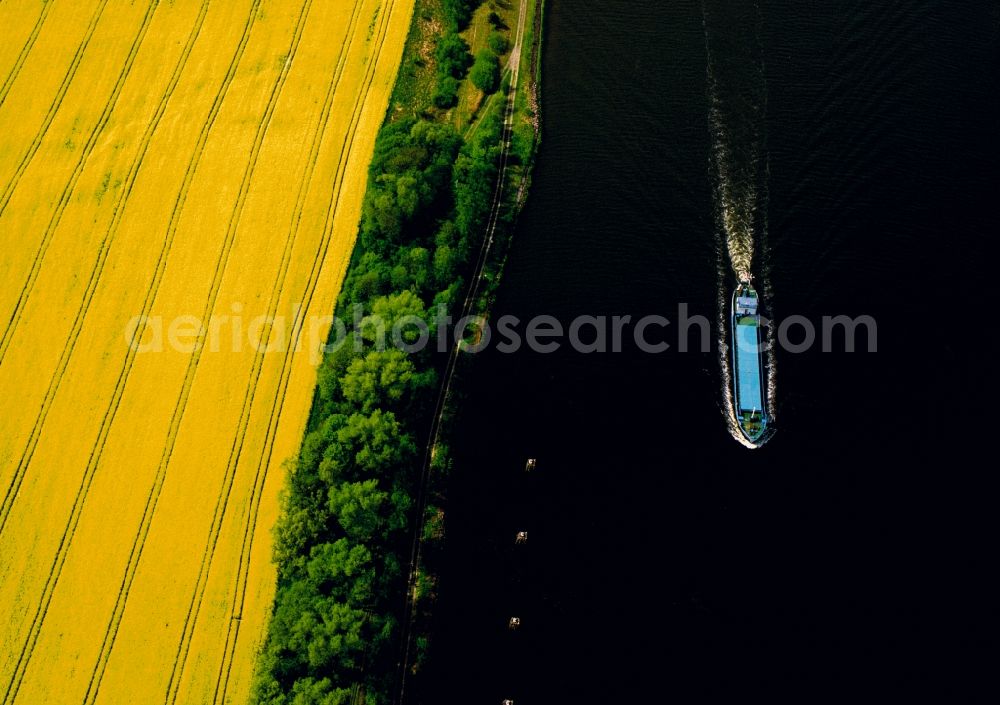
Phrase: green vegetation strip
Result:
[346,527]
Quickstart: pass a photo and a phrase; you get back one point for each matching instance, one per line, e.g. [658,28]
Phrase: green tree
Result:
[393,311]
[452,55]
[498,43]
[459,12]
[358,508]
[475,176]
[328,634]
[413,268]
[485,72]
[372,444]
[410,171]
[343,569]
[446,263]
[382,377]
[331,371]
[302,522]
[309,691]
[266,689]
[451,295]
[446,93]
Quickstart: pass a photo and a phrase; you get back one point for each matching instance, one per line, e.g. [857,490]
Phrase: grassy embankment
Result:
[355,491]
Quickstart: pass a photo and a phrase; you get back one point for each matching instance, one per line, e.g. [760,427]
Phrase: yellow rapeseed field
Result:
[165,164]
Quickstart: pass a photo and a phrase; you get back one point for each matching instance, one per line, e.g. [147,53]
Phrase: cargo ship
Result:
[749,390]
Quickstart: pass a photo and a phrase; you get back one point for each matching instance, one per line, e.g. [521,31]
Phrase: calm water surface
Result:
[662,552]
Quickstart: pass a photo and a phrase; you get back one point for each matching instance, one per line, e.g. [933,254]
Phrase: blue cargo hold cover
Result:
[748,369]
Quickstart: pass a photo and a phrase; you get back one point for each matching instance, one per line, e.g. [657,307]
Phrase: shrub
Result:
[498,43]
[485,73]
[446,94]
[452,55]
[459,12]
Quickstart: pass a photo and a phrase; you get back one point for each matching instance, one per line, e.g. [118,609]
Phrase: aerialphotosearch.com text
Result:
[412,332]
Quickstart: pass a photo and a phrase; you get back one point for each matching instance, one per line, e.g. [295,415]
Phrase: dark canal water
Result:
[863,141]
